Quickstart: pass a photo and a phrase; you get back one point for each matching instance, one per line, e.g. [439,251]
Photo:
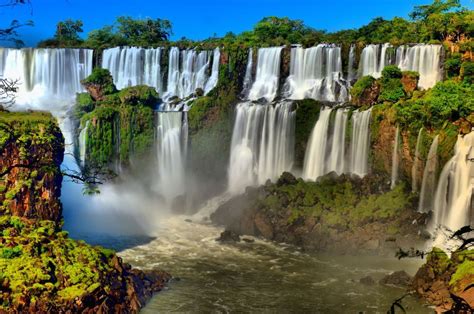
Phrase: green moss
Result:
[361,85]
[139,95]
[463,270]
[307,113]
[103,78]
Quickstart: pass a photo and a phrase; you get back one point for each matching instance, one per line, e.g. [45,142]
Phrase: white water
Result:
[415,169]
[336,160]
[83,144]
[315,157]
[395,160]
[428,185]
[171,135]
[212,82]
[248,79]
[262,144]
[373,59]
[131,66]
[351,74]
[424,59]
[268,74]
[48,78]
[326,151]
[360,146]
[453,204]
[316,73]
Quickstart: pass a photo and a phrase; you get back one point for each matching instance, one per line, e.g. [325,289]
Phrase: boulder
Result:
[228,236]
[398,278]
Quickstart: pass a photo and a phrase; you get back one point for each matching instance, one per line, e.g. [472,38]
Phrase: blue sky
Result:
[199,19]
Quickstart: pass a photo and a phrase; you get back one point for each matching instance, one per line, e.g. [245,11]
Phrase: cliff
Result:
[41,269]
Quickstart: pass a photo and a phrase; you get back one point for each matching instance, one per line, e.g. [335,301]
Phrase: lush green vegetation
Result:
[39,262]
[121,122]
[442,20]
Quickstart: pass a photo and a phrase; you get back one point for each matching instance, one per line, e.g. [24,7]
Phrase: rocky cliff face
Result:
[341,214]
[31,151]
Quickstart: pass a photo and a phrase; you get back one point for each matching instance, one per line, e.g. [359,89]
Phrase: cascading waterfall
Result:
[428,185]
[359,163]
[248,79]
[453,204]
[171,137]
[326,148]
[351,74]
[131,66]
[336,160]
[314,164]
[396,143]
[316,73]
[262,144]
[424,59]
[83,144]
[268,74]
[212,82]
[416,162]
[373,59]
[48,78]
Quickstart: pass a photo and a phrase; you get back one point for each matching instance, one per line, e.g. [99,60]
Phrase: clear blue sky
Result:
[199,19]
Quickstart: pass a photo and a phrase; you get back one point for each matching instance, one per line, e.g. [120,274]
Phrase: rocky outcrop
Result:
[335,214]
[31,151]
[410,81]
[447,283]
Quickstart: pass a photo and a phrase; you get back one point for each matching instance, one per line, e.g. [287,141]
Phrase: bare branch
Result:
[8,90]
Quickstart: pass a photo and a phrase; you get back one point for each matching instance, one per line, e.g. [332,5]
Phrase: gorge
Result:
[280,174]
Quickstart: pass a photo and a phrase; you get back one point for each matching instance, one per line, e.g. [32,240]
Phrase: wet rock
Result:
[247,240]
[188,220]
[398,278]
[286,179]
[369,281]
[229,237]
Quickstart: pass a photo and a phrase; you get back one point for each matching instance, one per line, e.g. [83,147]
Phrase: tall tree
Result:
[68,30]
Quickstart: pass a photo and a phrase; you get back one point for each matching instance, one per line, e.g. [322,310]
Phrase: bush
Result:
[139,95]
[361,85]
[103,78]
[467,72]
[452,65]
[391,72]
[391,90]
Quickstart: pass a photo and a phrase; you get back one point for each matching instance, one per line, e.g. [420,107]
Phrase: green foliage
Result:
[446,101]
[467,72]
[452,65]
[139,95]
[68,30]
[307,113]
[84,104]
[391,87]
[38,263]
[361,85]
[103,78]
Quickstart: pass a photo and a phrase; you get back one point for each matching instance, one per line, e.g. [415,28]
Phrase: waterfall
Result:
[262,144]
[326,147]
[351,75]
[171,133]
[48,78]
[453,205]
[395,159]
[428,185]
[188,71]
[316,73]
[131,66]
[268,74]
[314,164]
[360,143]
[83,144]
[424,59]
[416,163]
[336,161]
[248,79]
[373,59]
[212,82]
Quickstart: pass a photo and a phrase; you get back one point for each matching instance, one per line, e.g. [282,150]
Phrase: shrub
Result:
[361,85]
[139,95]
[452,65]
[103,78]
[467,72]
[391,72]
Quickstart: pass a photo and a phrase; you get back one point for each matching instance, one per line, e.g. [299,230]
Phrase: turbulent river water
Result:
[256,277]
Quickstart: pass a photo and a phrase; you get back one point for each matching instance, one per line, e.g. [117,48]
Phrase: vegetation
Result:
[391,87]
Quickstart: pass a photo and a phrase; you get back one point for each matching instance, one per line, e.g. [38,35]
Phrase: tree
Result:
[68,30]
[143,32]
[9,33]
[422,12]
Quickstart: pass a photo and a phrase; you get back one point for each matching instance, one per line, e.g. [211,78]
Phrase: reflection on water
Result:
[251,277]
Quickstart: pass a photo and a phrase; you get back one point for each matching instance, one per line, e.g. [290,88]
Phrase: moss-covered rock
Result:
[31,151]
[336,213]
[42,270]
[447,283]
[365,91]
[307,113]
[99,84]
[139,95]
